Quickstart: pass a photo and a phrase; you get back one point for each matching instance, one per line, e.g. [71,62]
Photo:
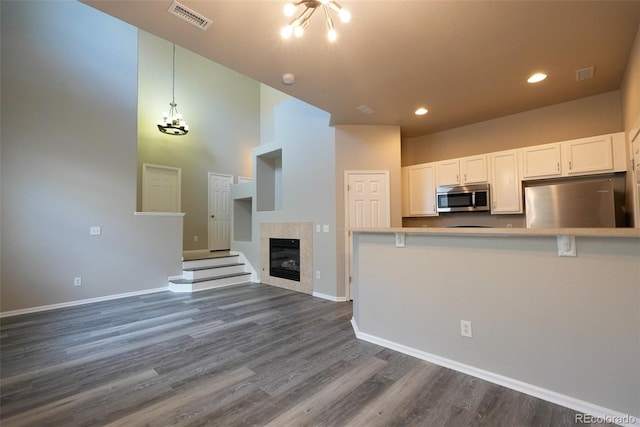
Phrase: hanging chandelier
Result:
[297,25]
[172,123]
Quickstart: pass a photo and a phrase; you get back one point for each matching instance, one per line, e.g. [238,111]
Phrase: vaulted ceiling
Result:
[465,61]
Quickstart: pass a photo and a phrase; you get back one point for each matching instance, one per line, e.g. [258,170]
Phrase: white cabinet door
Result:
[448,172]
[506,185]
[588,155]
[422,190]
[474,169]
[541,161]
[404,186]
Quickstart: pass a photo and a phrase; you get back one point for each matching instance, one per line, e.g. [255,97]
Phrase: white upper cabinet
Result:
[448,172]
[506,185]
[584,156]
[474,169]
[422,190]
[588,155]
[541,161]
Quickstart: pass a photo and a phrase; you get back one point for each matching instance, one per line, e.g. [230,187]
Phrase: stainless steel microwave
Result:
[463,198]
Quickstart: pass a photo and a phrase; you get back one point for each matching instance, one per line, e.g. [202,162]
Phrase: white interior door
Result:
[160,188]
[367,205]
[219,211]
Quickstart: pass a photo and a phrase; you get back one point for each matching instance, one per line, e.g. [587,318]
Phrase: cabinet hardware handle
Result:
[570,165]
[458,178]
[465,177]
[558,166]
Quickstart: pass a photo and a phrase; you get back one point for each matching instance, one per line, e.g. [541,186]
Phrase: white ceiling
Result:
[466,61]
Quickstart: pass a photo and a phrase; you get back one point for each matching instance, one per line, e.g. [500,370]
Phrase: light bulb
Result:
[298,31]
[289,9]
[332,35]
[286,32]
[344,15]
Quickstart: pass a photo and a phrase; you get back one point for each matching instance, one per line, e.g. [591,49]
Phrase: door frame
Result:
[178,172]
[348,236]
[209,174]
[633,140]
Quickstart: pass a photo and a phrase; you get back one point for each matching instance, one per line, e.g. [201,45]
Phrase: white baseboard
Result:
[600,413]
[329,297]
[79,302]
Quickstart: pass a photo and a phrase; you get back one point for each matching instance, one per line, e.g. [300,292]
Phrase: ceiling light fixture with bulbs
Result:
[297,25]
[172,123]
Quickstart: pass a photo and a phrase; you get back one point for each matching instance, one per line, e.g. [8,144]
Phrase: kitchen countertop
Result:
[473,231]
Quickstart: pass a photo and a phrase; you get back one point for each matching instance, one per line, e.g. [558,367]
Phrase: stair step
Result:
[186,285]
[210,261]
[212,267]
[212,271]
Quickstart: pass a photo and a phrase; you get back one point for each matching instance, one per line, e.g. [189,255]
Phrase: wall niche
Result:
[269,181]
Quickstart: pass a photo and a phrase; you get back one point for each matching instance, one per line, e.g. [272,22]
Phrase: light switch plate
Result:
[95,231]
[325,228]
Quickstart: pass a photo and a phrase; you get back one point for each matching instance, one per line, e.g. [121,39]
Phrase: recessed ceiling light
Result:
[421,111]
[537,77]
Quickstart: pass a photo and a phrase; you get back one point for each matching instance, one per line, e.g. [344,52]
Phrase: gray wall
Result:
[569,325]
[222,109]
[365,148]
[314,158]
[69,97]
[308,178]
[594,115]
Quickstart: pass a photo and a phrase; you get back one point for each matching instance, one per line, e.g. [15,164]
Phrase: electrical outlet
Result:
[95,231]
[317,274]
[317,228]
[195,238]
[77,281]
[465,328]
[325,228]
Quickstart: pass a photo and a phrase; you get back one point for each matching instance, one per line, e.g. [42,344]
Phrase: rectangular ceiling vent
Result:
[188,15]
[365,109]
[584,74]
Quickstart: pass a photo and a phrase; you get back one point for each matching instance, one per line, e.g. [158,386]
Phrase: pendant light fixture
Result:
[172,122]
[297,25]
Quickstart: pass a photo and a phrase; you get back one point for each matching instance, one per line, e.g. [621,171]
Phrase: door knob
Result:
[213,216]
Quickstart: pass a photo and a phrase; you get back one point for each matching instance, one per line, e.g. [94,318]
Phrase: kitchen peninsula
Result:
[562,328]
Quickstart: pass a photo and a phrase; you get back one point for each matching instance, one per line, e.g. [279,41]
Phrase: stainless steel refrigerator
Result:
[572,204]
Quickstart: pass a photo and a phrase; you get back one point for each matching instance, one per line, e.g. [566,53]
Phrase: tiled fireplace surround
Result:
[288,230]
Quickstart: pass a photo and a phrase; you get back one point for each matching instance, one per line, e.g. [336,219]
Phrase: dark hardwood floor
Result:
[247,355]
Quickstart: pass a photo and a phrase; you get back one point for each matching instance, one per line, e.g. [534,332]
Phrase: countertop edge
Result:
[591,232]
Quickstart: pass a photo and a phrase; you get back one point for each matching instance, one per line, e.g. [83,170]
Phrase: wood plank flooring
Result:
[247,355]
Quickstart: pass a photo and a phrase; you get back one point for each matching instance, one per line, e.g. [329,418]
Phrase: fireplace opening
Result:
[284,257]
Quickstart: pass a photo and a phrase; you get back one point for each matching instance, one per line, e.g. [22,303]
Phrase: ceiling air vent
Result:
[584,74]
[365,109]
[188,15]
